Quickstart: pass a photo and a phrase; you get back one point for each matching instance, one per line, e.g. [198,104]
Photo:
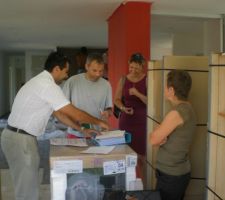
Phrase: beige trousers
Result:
[21,152]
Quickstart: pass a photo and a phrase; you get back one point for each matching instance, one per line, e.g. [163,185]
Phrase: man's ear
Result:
[56,68]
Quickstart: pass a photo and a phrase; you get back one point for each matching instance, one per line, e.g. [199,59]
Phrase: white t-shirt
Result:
[90,96]
[35,102]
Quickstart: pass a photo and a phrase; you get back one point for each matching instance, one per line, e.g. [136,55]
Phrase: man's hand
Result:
[90,132]
[105,115]
[104,125]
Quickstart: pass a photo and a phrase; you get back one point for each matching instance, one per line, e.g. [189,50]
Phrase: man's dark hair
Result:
[181,81]
[56,59]
[95,57]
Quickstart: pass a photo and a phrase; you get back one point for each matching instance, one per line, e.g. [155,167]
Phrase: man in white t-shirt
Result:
[35,102]
[89,91]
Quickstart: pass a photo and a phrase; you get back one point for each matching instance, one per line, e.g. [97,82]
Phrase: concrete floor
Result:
[8,191]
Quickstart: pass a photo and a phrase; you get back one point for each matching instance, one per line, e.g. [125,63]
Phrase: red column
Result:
[128,32]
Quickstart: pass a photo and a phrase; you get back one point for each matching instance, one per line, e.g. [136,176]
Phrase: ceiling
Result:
[45,24]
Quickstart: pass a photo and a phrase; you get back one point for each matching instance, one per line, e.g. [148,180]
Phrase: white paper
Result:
[110,134]
[68,166]
[110,141]
[136,185]
[78,142]
[114,167]
[99,150]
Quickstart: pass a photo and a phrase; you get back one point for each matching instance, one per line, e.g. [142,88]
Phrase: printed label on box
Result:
[114,167]
[68,166]
[131,160]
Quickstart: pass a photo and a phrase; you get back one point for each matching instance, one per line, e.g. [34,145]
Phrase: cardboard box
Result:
[90,174]
[121,152]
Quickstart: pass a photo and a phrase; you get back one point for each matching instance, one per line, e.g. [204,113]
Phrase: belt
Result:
[17,130]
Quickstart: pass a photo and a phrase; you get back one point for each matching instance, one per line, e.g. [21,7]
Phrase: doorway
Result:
[16,76]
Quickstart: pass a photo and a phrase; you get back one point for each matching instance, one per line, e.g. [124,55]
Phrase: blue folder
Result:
[113,141]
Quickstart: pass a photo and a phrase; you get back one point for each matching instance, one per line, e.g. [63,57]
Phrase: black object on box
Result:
[137,195]
[145,195]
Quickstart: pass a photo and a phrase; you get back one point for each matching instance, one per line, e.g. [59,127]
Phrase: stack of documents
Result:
[112,138]
[81,142]
[99,150]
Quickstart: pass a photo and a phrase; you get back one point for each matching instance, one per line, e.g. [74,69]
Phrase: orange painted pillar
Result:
[128,32]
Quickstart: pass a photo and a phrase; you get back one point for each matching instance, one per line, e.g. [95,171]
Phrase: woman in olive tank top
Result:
[174,136]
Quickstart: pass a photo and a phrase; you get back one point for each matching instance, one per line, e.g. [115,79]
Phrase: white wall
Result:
[173,35]
[161,45]
[200,41]
[34,62]
[211,37]
[188,44]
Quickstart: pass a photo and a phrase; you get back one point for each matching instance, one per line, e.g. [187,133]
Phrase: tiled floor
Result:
[8,191]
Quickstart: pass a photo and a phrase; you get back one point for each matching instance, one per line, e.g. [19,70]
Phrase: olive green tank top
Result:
[172,157]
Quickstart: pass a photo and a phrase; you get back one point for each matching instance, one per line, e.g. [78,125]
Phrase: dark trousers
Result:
[171,187]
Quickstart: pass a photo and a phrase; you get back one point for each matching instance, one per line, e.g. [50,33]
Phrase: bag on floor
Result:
[143,195]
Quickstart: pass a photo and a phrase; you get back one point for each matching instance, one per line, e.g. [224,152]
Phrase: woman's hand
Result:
[163,141]
[128,110]
[221,114]
[133,91]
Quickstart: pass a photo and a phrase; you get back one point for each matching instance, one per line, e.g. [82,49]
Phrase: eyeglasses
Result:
[137,57]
